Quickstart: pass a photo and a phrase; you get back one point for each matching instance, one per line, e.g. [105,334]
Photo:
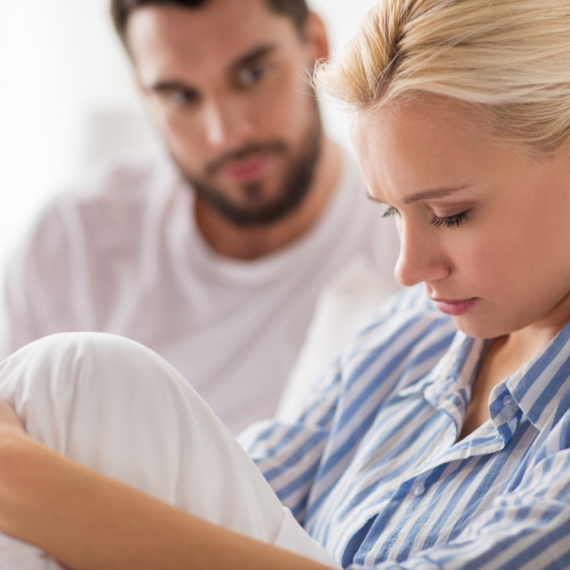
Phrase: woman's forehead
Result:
[422,125]
[425,145]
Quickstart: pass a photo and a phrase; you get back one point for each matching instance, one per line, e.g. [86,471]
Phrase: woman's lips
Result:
[455,307]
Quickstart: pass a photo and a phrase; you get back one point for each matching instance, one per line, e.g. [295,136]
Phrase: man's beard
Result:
[293,189]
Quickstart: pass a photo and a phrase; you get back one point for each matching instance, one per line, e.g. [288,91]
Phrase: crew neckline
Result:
[270,266]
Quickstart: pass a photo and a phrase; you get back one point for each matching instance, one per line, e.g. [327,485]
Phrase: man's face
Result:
[226,85]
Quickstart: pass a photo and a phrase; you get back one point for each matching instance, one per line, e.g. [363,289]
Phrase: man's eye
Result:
[250,75]
[182,98]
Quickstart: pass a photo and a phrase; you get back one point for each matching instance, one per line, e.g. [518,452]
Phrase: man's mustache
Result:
[245,152]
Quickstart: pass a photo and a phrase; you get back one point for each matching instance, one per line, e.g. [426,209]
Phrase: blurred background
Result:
[67,100]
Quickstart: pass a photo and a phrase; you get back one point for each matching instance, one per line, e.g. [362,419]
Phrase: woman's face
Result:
[483,225]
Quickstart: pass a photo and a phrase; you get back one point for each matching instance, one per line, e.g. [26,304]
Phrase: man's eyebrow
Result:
[169,85]
[252,56]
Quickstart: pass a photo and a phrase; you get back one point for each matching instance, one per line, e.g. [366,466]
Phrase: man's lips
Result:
[455,307]
[247,169]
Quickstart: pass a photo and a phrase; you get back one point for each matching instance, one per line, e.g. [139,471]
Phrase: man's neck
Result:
[251,243]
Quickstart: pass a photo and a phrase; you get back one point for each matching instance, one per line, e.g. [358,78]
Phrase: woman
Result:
[422,447]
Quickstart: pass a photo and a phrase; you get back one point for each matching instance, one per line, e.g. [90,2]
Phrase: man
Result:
[215,258]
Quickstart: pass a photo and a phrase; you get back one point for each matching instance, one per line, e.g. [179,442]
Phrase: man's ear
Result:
[316,37]
[141,91]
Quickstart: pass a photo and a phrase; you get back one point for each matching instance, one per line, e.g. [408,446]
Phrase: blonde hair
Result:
[510,58]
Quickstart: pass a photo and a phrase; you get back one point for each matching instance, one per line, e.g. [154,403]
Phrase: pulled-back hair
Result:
[510,58]
[297,10]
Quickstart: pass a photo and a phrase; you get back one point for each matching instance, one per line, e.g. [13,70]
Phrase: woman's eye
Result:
[390,213]
[450,221]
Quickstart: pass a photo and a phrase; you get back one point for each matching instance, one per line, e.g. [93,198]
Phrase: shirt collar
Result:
[455,371]
[536,388]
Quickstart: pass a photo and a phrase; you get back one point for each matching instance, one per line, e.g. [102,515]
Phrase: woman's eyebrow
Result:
[372,199]
[433,194]
[424,195]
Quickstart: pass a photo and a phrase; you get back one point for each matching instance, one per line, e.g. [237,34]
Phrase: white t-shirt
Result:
[122,254]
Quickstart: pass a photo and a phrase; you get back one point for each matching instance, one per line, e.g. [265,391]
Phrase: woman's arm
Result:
[88,521]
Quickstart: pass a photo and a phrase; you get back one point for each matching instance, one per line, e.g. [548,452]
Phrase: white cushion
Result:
[342,308]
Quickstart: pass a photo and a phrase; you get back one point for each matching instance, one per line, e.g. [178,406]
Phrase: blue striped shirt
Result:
[372,468]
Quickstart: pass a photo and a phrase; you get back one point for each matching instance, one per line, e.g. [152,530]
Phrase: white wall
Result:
[65,85]
[342,18]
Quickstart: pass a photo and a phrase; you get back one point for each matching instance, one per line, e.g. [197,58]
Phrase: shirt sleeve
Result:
[289,453]
[527,526]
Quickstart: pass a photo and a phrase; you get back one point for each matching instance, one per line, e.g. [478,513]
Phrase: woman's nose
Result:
[421,258]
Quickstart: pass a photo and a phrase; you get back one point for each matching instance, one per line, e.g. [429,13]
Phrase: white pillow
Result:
[342,308]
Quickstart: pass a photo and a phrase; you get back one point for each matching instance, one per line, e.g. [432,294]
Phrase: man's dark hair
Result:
[297,10]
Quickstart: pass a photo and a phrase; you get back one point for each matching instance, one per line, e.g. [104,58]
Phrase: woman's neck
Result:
[504,356]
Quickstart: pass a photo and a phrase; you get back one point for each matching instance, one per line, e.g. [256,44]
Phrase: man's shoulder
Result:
[108,206]
[124,180]
[108,194]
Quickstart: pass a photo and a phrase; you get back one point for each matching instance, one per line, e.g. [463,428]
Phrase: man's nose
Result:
[226,125]
[421,257]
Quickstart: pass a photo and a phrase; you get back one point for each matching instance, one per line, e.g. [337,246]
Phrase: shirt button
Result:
[509,402]
[418,489]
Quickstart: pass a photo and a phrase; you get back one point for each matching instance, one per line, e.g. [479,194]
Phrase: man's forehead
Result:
[215,35]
